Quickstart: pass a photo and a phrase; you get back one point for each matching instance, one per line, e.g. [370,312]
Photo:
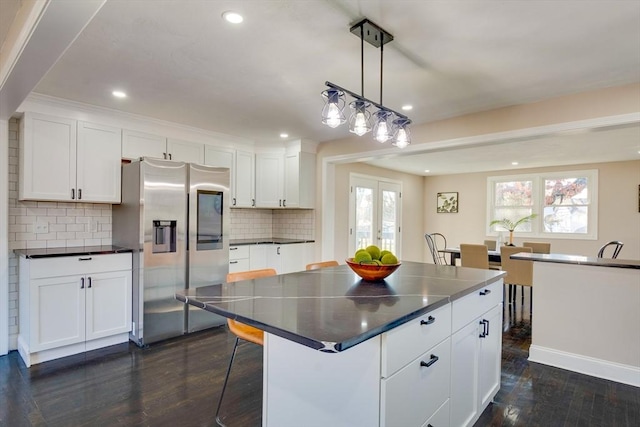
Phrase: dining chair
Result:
[474,256]
[491,245]
[538,247]
[240,330]
[436,242]
[616,245]
[322,264]
[519,272]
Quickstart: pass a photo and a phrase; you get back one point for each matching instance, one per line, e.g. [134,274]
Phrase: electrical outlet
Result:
[42,227]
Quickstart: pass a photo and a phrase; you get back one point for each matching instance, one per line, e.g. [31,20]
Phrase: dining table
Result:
[494,256]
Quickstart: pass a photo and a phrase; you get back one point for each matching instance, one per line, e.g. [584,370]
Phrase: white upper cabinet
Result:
[244,180]
[185,151]
[66,160]
[299,180]
[269,179]
[140,144]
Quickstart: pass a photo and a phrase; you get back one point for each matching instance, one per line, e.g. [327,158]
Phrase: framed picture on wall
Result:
[447,202]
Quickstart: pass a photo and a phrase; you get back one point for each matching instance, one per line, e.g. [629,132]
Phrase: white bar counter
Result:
[586,315]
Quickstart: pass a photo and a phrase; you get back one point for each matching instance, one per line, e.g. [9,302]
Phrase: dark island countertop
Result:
[331,309]
[70,251]
[268,241]
[578,260]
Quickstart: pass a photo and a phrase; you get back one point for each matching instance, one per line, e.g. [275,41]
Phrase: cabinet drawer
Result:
[467,308]
[404,343]
[71,265]
[440,418]
[236,265]
[416,392]
[238,252]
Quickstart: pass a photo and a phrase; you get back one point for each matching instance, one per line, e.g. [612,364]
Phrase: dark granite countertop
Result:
[267,241]
[579,260]
[71,251]
[331,309]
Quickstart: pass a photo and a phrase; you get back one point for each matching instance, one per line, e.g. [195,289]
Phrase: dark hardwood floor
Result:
[177,383]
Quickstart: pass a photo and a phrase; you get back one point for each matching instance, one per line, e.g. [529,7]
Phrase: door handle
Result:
[278,250]
[483,333]
[79,193]
[485,292]
[284,203]
[89,280]
[253,202]
[73,194]
[82,283]
[234,201]
[170,157]
[85,259]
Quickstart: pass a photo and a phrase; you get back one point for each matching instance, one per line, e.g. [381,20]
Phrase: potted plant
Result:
[510,225]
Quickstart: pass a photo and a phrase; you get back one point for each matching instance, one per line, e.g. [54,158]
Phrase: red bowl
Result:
[372,272]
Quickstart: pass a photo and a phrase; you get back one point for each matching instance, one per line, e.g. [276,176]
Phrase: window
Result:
[565,203]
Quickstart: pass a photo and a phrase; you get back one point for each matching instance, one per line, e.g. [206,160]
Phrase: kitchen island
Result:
[421,347]
[586,315]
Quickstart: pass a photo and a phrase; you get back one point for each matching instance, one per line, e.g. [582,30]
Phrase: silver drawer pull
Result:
[433,359]
[429,320]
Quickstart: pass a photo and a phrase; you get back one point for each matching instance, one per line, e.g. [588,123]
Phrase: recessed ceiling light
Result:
[284,135]
[407,107]
[514,163]
[119,94]
[427,171]
[232,17]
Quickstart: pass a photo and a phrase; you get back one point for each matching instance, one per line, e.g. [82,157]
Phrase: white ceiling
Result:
[179,61]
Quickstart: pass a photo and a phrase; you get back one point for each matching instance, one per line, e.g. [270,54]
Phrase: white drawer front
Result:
[406,342]
[440,418]
[238,252]
[236,265]
[416,392]
[72,265]
[467,308]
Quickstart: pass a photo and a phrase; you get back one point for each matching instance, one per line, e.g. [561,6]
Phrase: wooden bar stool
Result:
[322,264]
[240,330]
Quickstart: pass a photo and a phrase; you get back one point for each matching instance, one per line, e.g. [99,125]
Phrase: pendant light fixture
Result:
[388,124]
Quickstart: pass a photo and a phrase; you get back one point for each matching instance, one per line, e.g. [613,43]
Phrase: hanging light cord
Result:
[381,52]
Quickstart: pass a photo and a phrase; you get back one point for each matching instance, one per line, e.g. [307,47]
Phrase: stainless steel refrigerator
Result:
[175,216]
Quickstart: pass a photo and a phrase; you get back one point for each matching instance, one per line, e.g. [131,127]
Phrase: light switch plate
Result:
[42,227]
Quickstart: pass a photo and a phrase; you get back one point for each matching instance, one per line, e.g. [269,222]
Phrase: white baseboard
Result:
[625,374]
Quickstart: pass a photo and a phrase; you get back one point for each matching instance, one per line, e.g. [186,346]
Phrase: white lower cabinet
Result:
[239,259]
[440,369]
[476,354]
[73,304]
[282,258]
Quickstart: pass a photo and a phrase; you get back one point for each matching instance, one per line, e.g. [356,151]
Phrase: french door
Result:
[374,214]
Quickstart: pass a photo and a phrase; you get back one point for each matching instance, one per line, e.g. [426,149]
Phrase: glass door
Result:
[374,214]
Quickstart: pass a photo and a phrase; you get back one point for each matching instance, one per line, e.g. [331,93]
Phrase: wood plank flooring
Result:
[177,383]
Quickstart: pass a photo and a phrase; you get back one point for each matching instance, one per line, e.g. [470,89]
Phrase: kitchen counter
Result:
[420,348]
[331,309]
[267,241]
[70,251]
[578,260]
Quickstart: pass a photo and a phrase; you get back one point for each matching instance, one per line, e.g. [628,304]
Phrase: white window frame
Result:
[537,224]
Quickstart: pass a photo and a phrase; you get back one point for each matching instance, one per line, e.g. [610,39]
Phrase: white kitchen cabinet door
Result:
[465,348]
[99,150]
[218,157]
[299,180]
[490,354]
[258,257]
[139,144]
[57,312]
[185,151]
[274,259]
[47,158]
[269,178]
[108,304]
[244,180]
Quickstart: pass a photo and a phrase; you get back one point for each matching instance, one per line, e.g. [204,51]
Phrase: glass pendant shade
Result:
[402,134]
[382,126]
[332,112]
[359,122]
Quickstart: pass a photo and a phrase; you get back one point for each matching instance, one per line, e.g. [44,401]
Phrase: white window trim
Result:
[537,226]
